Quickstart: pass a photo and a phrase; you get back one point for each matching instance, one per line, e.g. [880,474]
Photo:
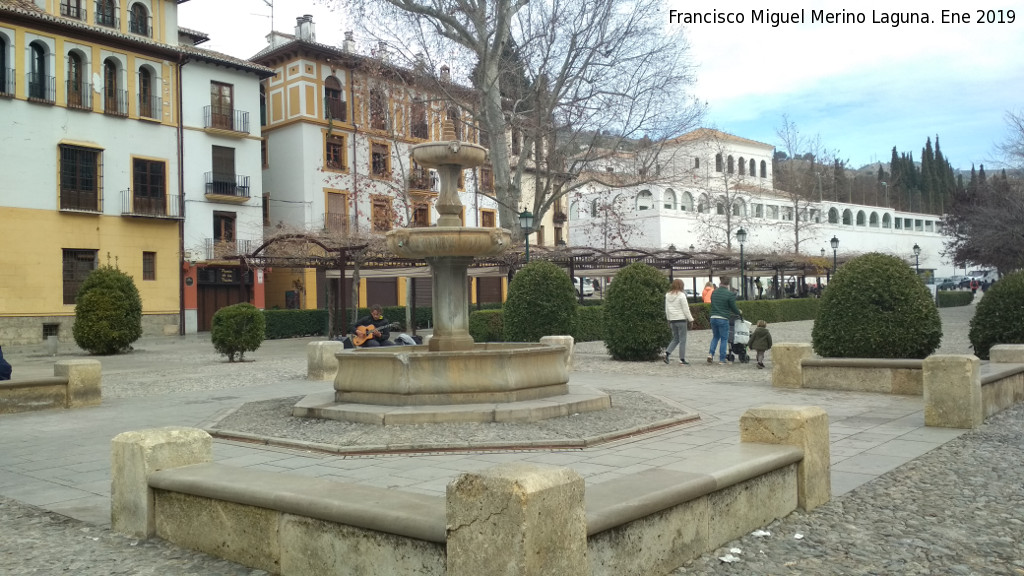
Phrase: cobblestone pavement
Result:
[958,509]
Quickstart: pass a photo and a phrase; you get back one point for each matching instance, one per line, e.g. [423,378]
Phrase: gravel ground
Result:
[959,509]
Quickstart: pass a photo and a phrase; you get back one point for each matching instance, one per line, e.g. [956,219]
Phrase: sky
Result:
[859,87]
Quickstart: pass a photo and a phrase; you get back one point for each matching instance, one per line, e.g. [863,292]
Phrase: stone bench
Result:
[74,384]
[538,519]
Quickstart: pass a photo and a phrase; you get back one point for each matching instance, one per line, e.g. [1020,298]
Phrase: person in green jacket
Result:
[723,305]
[760,341]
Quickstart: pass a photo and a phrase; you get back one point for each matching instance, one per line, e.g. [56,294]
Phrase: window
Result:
[686,202]
[266,208]
[418,118]
[149,265]
[764,169]
[488,218]
[222,179]
[381,214]
[848,217]
[861,218]
[72,9]
[669,200]
[886,221]
[759,210]
[486,180]
[106,13]
[78,93]
[6,75]
[149,192]
[77,266]
[335,156]
[114,99]
[380,159]
[696,163]
[833,216]
[149,106]
[378,109]
[729,165]
[223,227]
[336,219]
[334,100]
[540,235]
[40,85]
[743,167]
[263,105]
[264,152]
[421,216]
[773,212]
[138,20]
[718,162]
[222,108]
[753,168]
[559,238]
[79,178]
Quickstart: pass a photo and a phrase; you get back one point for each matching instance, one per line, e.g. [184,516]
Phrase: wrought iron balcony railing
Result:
[225,119]
[157,206]
[227,184]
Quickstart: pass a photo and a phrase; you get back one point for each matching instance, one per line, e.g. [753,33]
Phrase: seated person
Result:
[381,329]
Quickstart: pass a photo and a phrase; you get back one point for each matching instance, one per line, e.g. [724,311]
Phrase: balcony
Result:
[41,88]
[225,120]
[335,109]
[151,107]
[7,82]
[115,103]
[76,12]
[338,224]
[227,187]
[81,201]
[164,206]
[79,95]
[106,16]
[559,217]
[218,249]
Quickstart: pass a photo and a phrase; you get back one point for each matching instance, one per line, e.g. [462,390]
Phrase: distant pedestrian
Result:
[677,311]
[5,367]
[760,341]
[723,306]
[760,289]
[706,294]
[974,286]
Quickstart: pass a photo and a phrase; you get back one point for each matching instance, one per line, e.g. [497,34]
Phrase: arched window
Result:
[753,168]
[696,162]
[669,200]
[886,221]
[686,202]
[873,220]
[743,167]
[702,205]
[334,100]
[593,207]
[77,92]
[764,169]
[718,162]
[729,165]
[113,101]
[861,218]
[138,20]
[833,216]
[106,13]
[644,200]
[848,217]
[146,104]
[38,80]
[739,207]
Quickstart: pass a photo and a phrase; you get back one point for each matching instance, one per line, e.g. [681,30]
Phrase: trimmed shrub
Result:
[634,313]
[999,318]
[541,302]
[876,307]
[108,312]
[589,324]
[238,329]
[295,323]
[486,325]
[954,298]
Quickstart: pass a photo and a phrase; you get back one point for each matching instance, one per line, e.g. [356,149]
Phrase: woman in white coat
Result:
[677,311]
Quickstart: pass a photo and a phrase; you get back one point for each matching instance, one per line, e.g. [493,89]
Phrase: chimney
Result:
[304,29]
[382,52]
[350,43]
[446,73]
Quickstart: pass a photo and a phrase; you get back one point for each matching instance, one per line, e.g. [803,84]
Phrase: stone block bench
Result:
[74,384]
[531,519]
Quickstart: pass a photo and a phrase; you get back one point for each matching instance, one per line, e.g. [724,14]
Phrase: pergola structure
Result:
[314,251]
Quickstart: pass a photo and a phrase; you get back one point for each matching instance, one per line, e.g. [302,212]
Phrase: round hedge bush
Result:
[108,312]
[999,317]
[541,302]
[876,307]
[238,329]
[634,314]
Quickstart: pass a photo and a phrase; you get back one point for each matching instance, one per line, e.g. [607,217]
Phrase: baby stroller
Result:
[739,335]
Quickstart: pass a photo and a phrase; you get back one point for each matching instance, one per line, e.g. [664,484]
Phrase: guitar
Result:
[364,333]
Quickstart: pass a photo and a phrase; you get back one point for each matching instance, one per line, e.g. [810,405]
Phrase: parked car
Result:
[947,284]
[588,285]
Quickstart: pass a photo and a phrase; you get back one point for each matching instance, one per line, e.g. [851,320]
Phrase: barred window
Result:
[79,178]
[77,266]
[149,265]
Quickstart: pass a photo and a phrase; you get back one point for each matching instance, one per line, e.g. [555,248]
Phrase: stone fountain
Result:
[451,378]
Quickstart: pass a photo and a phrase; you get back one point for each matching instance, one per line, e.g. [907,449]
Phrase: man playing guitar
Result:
[372,330]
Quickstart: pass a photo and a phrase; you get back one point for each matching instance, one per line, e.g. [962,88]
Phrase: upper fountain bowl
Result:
[451,153]
[448,241]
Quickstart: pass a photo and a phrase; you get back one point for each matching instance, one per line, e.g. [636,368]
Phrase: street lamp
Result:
[741,235]
[526,223]
[835,246]
[917,259]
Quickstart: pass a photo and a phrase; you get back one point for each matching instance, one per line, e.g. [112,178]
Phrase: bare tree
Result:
[722,206]
[798,179]
[561,84]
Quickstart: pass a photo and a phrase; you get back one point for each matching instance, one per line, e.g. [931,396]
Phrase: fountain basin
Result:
[438,154]
[442,241]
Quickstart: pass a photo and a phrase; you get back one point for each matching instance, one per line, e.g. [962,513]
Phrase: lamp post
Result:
[835,246]
[917,259]
[526,223]
[741,235]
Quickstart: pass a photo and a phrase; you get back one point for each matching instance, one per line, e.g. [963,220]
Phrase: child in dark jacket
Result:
[760,341]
